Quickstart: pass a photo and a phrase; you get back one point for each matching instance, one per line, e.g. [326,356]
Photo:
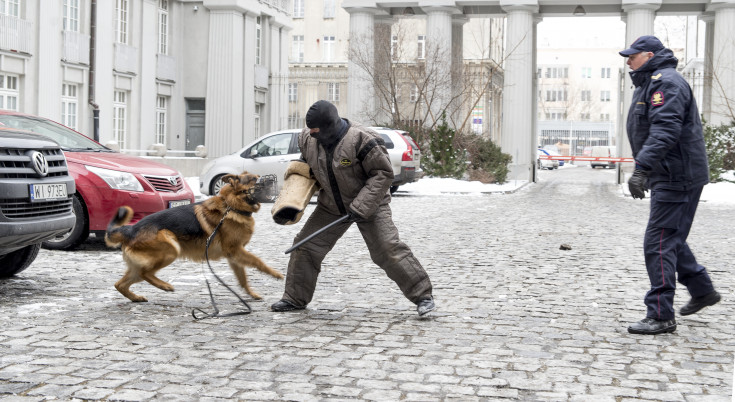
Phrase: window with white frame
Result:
[556,116]
[161,117]
[9,92]
[10,7]
[557,72]
[120,118]
[587,72]
[121,21]
[329,7]
[298,8]
[258,39]
[421,47]
[604,116]
[605,72]
[393,46]
[295,121]
[605,96]
[333,92]
[584,116]
[71,15]
[293,92]
[297,49]
[163,26]
[256,119]
[556,95]
[586,95]
[414,94]
[69,105]
[328,48]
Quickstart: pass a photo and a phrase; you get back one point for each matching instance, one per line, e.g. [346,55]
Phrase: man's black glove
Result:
[638,184]
[354,217]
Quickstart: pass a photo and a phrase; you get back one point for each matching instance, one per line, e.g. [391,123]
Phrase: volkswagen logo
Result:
[39,164]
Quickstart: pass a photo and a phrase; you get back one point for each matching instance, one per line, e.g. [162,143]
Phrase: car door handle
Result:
[282,160]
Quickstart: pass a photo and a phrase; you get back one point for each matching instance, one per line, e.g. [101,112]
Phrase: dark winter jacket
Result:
[351,165]
[664,128]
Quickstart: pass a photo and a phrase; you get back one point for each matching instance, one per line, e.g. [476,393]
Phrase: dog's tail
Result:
[114,235]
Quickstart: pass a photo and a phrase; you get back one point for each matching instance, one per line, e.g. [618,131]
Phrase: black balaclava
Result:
[323,115]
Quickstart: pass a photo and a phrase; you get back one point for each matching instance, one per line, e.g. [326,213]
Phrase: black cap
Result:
[647,43]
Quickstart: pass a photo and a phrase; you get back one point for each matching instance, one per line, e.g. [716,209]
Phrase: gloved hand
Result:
[638,184]
[354,217]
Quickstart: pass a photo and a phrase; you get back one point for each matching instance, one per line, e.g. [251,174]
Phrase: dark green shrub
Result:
[445,158]
[720,144]
[488,163]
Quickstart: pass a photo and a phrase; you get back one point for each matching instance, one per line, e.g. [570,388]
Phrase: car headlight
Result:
[116,179]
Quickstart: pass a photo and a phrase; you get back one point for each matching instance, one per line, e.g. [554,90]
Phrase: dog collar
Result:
[243,213]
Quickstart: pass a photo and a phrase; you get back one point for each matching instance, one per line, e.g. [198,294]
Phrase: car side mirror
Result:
[253,153]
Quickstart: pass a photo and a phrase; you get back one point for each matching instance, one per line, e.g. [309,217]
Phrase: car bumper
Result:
[15,235]
[407,175]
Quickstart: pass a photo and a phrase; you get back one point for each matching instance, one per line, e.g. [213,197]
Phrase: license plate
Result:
[174,204]
[43,192]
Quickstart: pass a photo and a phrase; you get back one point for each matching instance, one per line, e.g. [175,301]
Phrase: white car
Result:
[269,154]
[545,163]
[405,156]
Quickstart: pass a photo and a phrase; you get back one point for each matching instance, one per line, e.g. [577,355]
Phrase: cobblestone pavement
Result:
[517,317]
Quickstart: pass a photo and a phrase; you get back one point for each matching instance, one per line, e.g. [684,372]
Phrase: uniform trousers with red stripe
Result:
[667,254]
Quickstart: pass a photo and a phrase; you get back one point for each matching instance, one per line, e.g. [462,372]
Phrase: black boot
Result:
[285,305]
[652,326]
[698,303]
[426,305]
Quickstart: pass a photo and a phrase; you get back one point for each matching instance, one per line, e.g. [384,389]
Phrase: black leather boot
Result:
[285,305]
[652,326]
[698,303]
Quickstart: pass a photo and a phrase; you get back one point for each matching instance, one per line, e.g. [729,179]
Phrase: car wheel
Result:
[216,185]
[74,237]
[18,260]
[393,189]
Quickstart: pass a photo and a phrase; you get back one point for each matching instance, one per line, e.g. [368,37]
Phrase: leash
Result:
[211,296]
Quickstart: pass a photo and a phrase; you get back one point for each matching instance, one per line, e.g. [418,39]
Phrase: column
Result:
[360,65]
[278,64]
[723,75]
[382,58]
[49,61]
[709,41]
[459,89]
[145,107]
[438,51]
[639,17]
[223,125]
[518,96]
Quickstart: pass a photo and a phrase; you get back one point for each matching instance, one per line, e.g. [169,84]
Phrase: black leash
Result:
[211,296]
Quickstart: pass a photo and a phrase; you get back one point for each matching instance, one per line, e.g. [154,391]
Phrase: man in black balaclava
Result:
[351,166]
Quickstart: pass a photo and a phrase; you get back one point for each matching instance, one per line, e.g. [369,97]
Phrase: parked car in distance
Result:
[36,197]
[605,152]
[554,152]
[271,154]
[542,163]
[405,156]
[105,180]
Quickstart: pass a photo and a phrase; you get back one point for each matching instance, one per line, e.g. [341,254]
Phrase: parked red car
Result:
[105,179]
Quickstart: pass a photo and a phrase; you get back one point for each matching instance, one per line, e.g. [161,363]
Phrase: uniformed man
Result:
[665,134]
[352,168]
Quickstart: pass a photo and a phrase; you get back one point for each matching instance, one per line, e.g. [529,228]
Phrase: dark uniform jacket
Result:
[355,176]
[664,128]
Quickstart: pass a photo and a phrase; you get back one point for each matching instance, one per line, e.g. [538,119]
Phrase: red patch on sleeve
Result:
[657,99]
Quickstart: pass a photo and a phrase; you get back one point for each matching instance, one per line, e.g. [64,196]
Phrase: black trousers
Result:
[386,250]
[667,253]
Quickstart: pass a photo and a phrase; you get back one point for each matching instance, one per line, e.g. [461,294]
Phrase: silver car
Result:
[405,156]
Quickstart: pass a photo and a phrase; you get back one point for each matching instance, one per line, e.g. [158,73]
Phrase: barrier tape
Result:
[586,158]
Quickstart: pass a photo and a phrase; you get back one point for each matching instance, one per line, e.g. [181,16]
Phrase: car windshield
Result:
[69,139]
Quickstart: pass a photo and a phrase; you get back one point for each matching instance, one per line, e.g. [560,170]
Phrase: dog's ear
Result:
[231,179]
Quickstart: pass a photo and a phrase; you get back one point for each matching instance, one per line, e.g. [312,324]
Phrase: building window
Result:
[256,119]
[421,47]
[556,116]
[258,39]
[163,26]
[329,7]
[587,72]
[333,89]
[11,8]
[605,72]
[393,46]
[557,72]
[414,95]
[586,95]
[121,22]
[9,92]
[328,48]
[120,118]
[71,15]
[297,49]
[293,91]
[605,96]
[604,116]
[161,112]
[294,121]
[556,95]
[69,102]
[584,116]
[298,8]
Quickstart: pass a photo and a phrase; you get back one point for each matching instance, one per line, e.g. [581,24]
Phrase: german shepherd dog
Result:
[182,232]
